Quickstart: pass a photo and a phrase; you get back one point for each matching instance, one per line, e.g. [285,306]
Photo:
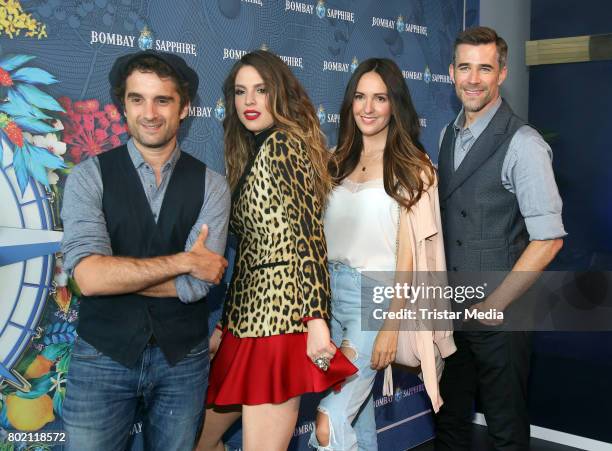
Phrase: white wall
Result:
[512,21]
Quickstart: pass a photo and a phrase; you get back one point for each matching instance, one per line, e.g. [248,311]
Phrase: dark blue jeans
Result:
[102,397]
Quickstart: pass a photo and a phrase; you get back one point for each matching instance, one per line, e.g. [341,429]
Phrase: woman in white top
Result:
[380,170]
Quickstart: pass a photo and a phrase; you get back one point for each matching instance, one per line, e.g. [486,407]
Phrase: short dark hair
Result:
[156,66]
[483,35]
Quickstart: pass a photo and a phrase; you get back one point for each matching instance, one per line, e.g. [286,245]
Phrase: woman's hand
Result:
[319,343]
[384,349]
[214,342]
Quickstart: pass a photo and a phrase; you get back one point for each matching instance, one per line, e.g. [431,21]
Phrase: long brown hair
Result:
[404,160]
[292,111]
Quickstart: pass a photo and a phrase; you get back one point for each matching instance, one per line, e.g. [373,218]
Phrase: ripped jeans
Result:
[350,411]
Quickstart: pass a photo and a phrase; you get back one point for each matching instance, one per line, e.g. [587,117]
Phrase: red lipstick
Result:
[251,115]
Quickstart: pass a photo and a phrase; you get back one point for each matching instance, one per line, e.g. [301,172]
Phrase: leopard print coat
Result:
[280,275]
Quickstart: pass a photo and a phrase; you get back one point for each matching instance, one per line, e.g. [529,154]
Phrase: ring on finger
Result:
[322,362]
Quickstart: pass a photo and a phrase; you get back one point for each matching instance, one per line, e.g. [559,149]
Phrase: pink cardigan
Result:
[426,347]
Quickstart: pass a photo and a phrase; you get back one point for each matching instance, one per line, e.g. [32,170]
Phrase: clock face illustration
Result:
[27,247]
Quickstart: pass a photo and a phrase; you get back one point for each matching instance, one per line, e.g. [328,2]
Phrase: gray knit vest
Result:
[483,226]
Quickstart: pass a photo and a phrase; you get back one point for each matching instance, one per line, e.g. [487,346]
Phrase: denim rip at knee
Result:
[341,408]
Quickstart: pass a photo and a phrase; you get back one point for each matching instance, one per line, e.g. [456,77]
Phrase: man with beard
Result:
[501,211]
[145,226]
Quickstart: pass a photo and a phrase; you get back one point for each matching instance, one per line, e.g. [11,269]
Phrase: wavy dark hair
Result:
[406,167]
[293,113]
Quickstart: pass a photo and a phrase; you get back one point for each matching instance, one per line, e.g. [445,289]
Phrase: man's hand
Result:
[205,264]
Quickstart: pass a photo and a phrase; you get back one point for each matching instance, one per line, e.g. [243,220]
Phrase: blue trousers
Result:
[350,411]
[103,396]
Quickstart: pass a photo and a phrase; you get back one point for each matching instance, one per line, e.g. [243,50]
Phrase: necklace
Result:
[368,160]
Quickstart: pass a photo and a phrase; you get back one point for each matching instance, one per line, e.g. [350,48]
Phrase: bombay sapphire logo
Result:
[400,25]
[398,395]
[320,9]
[220,110]
[427,75]
[145,41]
[354,64]
[321,114]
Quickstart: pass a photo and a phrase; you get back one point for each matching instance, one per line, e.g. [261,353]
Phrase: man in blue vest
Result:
[145,226]
[501,211]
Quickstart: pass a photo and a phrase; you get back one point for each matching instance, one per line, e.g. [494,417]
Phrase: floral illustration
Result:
[52,142]
[46,137]
[26,112]
[90,130]
[13,21]
[44,365]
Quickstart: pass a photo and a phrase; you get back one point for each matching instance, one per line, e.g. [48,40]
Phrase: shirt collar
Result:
[138,161]
[479,125]
[262,136]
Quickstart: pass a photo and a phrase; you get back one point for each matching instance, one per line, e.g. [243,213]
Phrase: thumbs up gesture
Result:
[200,241]
[204,263]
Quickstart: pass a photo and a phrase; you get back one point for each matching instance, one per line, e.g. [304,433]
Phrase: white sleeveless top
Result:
[361,226]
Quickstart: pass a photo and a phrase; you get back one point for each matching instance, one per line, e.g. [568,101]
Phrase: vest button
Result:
[463,213]
[459,243]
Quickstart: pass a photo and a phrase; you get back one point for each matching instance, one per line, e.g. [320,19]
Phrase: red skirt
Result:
[272,369]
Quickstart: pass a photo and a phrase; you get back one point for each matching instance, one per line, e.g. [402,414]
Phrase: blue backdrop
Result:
[54,60]
[576,365]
